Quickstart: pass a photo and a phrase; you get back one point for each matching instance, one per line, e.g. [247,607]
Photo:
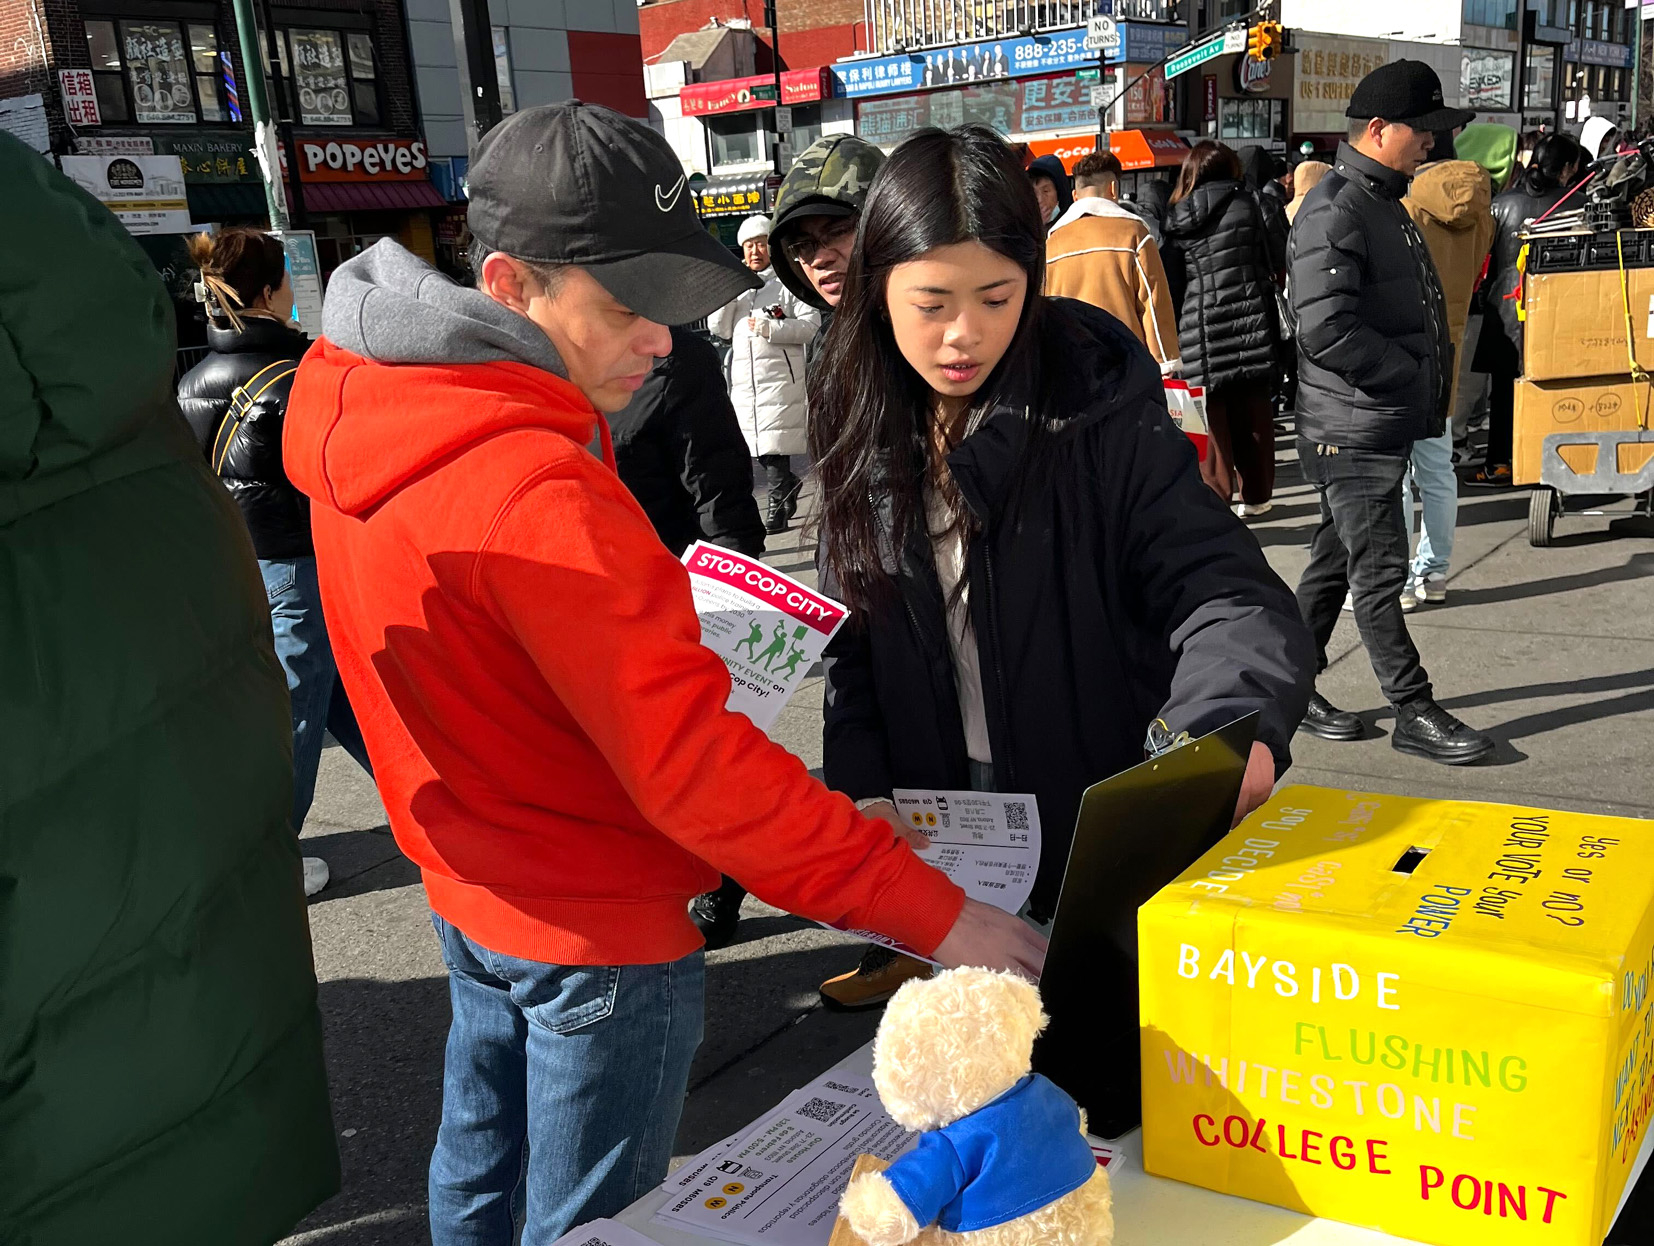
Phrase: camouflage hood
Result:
[830,178]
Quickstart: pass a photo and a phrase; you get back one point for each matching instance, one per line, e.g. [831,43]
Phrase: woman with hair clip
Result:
[1041,586]
[236,403]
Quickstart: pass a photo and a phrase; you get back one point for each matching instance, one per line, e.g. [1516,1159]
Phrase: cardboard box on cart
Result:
[1603,404]
[1576,323]
[1427,1017]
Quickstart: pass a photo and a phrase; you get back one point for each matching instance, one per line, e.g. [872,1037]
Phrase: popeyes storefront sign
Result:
[362,160]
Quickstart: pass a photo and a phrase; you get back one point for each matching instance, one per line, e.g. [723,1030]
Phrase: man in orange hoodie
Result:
[548,733]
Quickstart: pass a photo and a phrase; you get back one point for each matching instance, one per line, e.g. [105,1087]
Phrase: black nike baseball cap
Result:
[576,183]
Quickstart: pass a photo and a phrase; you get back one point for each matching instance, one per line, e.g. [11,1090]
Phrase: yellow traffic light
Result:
[1263,41]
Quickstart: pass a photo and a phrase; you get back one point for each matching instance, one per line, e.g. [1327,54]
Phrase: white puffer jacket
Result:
[766,367]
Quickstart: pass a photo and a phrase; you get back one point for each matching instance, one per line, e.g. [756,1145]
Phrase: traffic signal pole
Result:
[258,103]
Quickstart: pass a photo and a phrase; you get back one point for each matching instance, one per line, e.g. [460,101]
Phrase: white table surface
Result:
[1148,1209]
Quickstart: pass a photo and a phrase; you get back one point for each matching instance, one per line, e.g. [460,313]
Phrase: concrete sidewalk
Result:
[1551,651]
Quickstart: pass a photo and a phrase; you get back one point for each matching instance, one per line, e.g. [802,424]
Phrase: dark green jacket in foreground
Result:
[161,1071]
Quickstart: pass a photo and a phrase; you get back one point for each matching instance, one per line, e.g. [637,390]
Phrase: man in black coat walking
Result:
[679,449]
[1374,376]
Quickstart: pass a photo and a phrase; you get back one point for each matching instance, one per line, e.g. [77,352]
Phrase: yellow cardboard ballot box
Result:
[1427,1017]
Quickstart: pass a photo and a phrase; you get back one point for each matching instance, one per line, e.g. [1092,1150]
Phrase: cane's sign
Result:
[362,160]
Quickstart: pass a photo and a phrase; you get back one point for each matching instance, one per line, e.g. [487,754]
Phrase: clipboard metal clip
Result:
[1161,740]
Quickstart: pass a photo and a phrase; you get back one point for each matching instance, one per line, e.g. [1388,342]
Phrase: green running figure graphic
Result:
[778,646]
[750,644]
[793,659]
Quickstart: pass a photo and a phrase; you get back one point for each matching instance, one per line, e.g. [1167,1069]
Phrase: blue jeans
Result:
[319,701]
[585,1066]
[1431,474]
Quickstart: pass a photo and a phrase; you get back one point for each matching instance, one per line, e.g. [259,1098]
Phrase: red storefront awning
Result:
[371,196]
[798,86]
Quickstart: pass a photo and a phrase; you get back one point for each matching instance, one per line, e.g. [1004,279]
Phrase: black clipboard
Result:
[1135,833]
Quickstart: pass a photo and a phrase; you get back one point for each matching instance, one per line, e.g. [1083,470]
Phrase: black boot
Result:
[717,913]
[1426,730]
[1326,720]
[783,489]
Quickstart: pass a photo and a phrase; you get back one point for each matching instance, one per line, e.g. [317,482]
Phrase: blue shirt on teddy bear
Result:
[1014,1156]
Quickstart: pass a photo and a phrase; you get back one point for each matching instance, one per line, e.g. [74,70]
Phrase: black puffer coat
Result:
[1512,210]
[1375,363]
[1226,325]
[679,449]
[1117,592]
[251,368]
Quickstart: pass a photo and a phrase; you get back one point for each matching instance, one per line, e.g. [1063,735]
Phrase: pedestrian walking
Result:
[768,330]
[1261,171]
[1534,190]
[1227,325]
[1101,254]
[679,449]
[1051,187]
[527,662]
[1374,377]
[163,1079]
[1305,178]
[1018,454]
[1450,203]
[235,400]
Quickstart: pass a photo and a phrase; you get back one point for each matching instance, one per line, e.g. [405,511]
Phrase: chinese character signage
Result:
[221,157]
[999,58]
[158,65]
[319,75]
[1328,68]
[741,200]
[80,98]
[146,193]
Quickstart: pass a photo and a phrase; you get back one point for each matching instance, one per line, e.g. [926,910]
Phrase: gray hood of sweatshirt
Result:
[390,306]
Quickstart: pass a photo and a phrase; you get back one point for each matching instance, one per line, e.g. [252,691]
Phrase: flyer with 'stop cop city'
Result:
[767,627]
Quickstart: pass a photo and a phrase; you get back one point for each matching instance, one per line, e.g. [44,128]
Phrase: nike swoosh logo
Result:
[666,202]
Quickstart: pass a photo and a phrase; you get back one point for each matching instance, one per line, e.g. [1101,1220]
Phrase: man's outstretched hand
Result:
[1258,783]
[990,938]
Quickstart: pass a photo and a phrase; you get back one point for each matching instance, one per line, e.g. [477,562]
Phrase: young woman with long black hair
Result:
[1036,571]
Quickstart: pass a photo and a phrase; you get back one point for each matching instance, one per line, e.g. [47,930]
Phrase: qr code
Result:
[822,1110]
[1016,815]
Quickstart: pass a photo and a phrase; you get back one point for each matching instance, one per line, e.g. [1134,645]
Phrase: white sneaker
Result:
[1247,511]
[316,875]
[1432,589]
[1409,599]
[1349,603]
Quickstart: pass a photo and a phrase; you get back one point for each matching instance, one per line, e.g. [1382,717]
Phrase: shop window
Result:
[1539,77]
[1251,120]
[806,125]
[502,70]
[329,77]
[735,139]
[1496,13]
[155,72]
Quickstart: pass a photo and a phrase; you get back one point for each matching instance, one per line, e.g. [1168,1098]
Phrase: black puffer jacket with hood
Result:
[1117,591]
[1512,210]
[1226,324]
[245,379]
[1375,364]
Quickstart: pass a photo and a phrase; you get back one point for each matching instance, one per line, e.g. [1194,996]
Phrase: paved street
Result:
[1551,651]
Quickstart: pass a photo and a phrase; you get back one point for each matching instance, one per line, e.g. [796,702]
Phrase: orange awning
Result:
[1147,149]
[1135,149]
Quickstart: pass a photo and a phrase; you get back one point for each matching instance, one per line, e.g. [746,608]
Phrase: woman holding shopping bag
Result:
[768,329]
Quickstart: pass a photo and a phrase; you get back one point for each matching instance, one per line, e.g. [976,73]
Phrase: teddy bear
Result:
[1002,1158]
